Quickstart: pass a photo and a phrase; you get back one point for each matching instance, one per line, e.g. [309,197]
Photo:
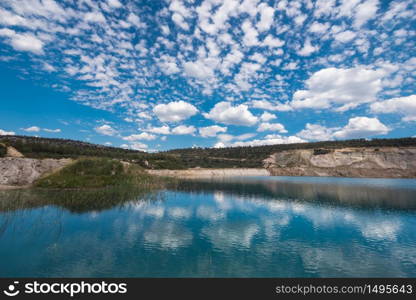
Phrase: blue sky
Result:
[155,75]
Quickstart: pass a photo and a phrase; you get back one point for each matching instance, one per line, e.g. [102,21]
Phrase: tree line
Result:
[229,157]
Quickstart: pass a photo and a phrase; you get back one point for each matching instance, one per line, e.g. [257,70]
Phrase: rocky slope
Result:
[23,171]
[389,162]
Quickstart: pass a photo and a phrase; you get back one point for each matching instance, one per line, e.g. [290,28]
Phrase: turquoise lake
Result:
[235,227]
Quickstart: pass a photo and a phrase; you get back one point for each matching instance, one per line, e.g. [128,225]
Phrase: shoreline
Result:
[210,173]
[4,187]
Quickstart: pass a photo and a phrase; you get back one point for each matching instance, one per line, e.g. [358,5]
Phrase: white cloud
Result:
[198,70]
[23,42]
[32,129]
[94,16]
[271,127]
[269,140]
[307,49]
[174,111]
[320,28]
[169,66]
[229,137]
[144,115]
[224,112]
[140,136]
[345,36]
[250,34]
[361,127]
[106,130]
[52,130]
[8,18]
[225,140]
[272,42]
[365,11]
[290,66]
[159,130]
[137,146]
[114,3]
[183,129]
[179,20]
[4,132]
[315,132]
[276,106]
[343,88]
[266,17]
[405,106]
[211,131]
[265,117]
[135,20]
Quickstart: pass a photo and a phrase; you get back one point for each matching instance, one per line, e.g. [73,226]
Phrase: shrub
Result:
[3,150]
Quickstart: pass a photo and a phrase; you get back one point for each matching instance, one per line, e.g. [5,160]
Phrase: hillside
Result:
[232,157]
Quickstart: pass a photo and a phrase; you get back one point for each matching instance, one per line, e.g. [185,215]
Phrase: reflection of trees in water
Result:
[76,201]
[223,233]
[334,194]
[15,204]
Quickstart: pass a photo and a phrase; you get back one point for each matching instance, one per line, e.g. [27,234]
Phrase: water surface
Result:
[236,227]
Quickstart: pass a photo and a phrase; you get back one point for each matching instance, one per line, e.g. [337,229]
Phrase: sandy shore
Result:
[210,173]
[12,187]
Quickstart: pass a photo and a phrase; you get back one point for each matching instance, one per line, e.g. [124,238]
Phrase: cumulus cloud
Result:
[266,17]
[32,129]
[224,112]
[225,140]
[405,106]
[211,131]
[361,127]
[175,111]
[264,104]
[106,130]
[316,132]
[140,136]
[307,49]
[265,117]
[159,130]
[23,42]
[345,36]
[94,16]
[357,127]
[250,34]
[52,130]
[4,132]
[339,88]
[269,140]
[183,129]
[114,3]
[198,70]
[271,127]
[320,28]
[137,146]
[365,12]
[190,51]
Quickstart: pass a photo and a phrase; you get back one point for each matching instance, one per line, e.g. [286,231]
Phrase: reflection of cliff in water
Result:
[333,194]
[75,201]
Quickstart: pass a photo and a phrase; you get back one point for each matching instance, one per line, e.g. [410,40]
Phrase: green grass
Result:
[98,173]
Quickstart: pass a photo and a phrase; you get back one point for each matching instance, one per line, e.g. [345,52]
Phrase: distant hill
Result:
[247,157]
[254,156]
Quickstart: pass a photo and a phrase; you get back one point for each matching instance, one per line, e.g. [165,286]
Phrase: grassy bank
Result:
[98,173]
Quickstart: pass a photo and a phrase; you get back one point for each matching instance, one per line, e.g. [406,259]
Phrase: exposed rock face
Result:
[12,152]
[210,173]
[389,162]
[24,171]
